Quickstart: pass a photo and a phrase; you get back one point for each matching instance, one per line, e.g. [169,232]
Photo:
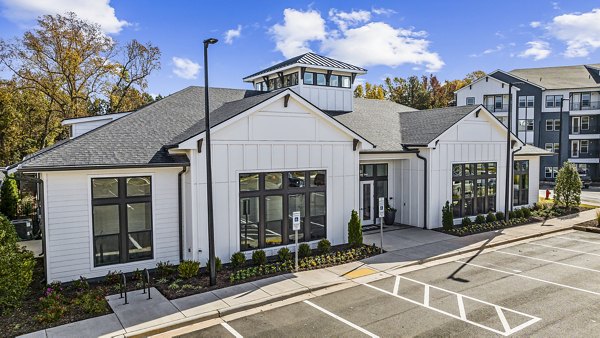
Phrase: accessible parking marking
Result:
[500,311]
[331,314]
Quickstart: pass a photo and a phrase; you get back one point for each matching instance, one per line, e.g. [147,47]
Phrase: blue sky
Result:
[389,38]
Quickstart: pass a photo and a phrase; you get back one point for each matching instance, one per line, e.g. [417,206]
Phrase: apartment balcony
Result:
[497,108]
[584,108]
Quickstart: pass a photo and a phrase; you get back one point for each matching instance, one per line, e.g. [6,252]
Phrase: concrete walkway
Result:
[406,249]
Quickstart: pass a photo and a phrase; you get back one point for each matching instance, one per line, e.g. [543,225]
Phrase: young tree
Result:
[9,197]
[355,236]
[568,186]
[447,217]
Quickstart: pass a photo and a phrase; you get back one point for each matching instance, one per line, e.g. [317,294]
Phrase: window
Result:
[553,101]
[522,101]
[498,103]
[308,78]
[576,125]
[473,189]
[585,100]
[521,183]
[549,125]
[320,79]
[267,201]
[530,101]
[585,123]
[575,148]
[553,147]
[122,219]
[470,101]
[525,125]
[550,172]
[346,81]
[334,81]
[557,125]
[584,146]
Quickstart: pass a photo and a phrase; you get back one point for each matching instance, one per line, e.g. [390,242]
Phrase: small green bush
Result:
[238,260]
[9,197]
[92,301]
[324,246]
[284,254]
[188,269]
[491,217]
[218,265]
[112,278]
[519,213]
[512,215]
[259,257]
[466,221]
[355,237]
[526,212]
[304,250]
[499,216]
[480,219]
[447,217]
[165,269]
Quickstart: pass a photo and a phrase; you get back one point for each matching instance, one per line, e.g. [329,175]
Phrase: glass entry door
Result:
[367,205]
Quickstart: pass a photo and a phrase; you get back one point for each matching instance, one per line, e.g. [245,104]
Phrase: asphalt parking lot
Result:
[547,287]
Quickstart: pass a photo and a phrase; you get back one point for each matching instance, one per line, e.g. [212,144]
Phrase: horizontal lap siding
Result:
[68,228]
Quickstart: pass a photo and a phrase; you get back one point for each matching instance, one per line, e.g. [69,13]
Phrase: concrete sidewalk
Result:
[406,248]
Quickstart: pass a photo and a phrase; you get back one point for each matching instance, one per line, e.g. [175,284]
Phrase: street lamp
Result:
[507,200]
[209,201]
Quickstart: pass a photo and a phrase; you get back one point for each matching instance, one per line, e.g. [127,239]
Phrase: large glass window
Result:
[379,174]
[268,200]
[521,183]
[122,219]
[473,188]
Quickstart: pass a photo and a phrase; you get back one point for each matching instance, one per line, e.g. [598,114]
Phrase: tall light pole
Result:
[209,200]
[507,201]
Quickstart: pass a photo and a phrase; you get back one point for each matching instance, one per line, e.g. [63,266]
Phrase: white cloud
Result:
[537,50]
[298,29]
[383,11]
[535,24]
[349,19]
[357,41]
[185,68]
[580,31]
[96,11]
[555,5]
[489,51]
[233,34]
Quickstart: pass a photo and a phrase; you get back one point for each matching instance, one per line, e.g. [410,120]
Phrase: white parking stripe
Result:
[396,285]
[461,307]
[565,249]
[529,277]
[341,319]
[426,296]
[502,319]
[231,330]
[578,240]
[548,261]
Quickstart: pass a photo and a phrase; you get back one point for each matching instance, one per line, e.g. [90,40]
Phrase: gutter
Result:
[180,210]
[419,156]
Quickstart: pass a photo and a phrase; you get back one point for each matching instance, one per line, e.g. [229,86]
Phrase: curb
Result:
[587,229]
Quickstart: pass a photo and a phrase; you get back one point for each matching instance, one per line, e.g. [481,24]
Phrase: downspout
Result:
[418,153]
[180,210]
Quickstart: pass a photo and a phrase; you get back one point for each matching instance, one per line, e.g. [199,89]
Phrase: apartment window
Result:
[470,101]
[550,172]
[267,201]
[530,101]
[552,147]
[473,189]
[525,125]
[521,183]
[522,101]
[549,125]
[553,101]
[585,100]
[584,146]
[498,102]
[122,219]
[585,123]
[575,148]
[557,125]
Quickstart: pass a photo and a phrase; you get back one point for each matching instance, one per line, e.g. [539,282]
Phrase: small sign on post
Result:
[296,227]
[381,216]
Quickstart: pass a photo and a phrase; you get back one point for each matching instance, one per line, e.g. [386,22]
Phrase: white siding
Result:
[69,229]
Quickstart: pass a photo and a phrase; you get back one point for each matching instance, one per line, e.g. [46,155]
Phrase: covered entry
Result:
[373,185]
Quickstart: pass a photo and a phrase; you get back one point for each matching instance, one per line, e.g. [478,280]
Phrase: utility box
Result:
[24,228]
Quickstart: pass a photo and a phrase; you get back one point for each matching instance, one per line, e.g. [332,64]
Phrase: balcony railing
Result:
[585,105]
[497,108]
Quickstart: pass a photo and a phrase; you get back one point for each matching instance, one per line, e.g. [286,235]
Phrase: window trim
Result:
[467,101]
[586,118]
[123,265]
[581,146]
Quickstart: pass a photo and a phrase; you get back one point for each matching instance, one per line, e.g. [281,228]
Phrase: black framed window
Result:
[267,201]
[521,182]
[378,173]
[122,219]
[470,101]
[320,79]
[473,188]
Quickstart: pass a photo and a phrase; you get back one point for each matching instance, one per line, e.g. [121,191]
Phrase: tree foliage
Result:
[355,236]
[9,197]
[447,217]
[568,186]
[66,68]
[416,92]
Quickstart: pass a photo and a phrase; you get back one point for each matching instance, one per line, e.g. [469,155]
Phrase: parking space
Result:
[544,287]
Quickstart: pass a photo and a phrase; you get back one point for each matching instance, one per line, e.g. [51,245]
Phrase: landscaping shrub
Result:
[284,255]
[188,269]
[355,237]
[16,267]
[218,265]
[568,186]
[466,221]
[491,217]
[52,304]
[26,205]
[81,284]
[9,197]
[259,257]
[165,269]
[238,260]
[512,214]
[92,301]
[499,216]
[519,213]
[447,217]
[112,278]
[324,246]
[526,212]
[480,219]
[304,250]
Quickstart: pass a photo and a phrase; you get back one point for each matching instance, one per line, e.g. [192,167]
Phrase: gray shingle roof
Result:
[423,126]
[309,59]
[560,77]
[528,150]
[137,139]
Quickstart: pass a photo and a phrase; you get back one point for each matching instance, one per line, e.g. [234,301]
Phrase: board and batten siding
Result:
[69,252]
[275,138]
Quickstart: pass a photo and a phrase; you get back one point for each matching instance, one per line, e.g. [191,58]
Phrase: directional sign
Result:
[296,220]
[381,206]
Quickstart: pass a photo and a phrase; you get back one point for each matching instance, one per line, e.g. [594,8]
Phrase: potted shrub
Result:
[390,215]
